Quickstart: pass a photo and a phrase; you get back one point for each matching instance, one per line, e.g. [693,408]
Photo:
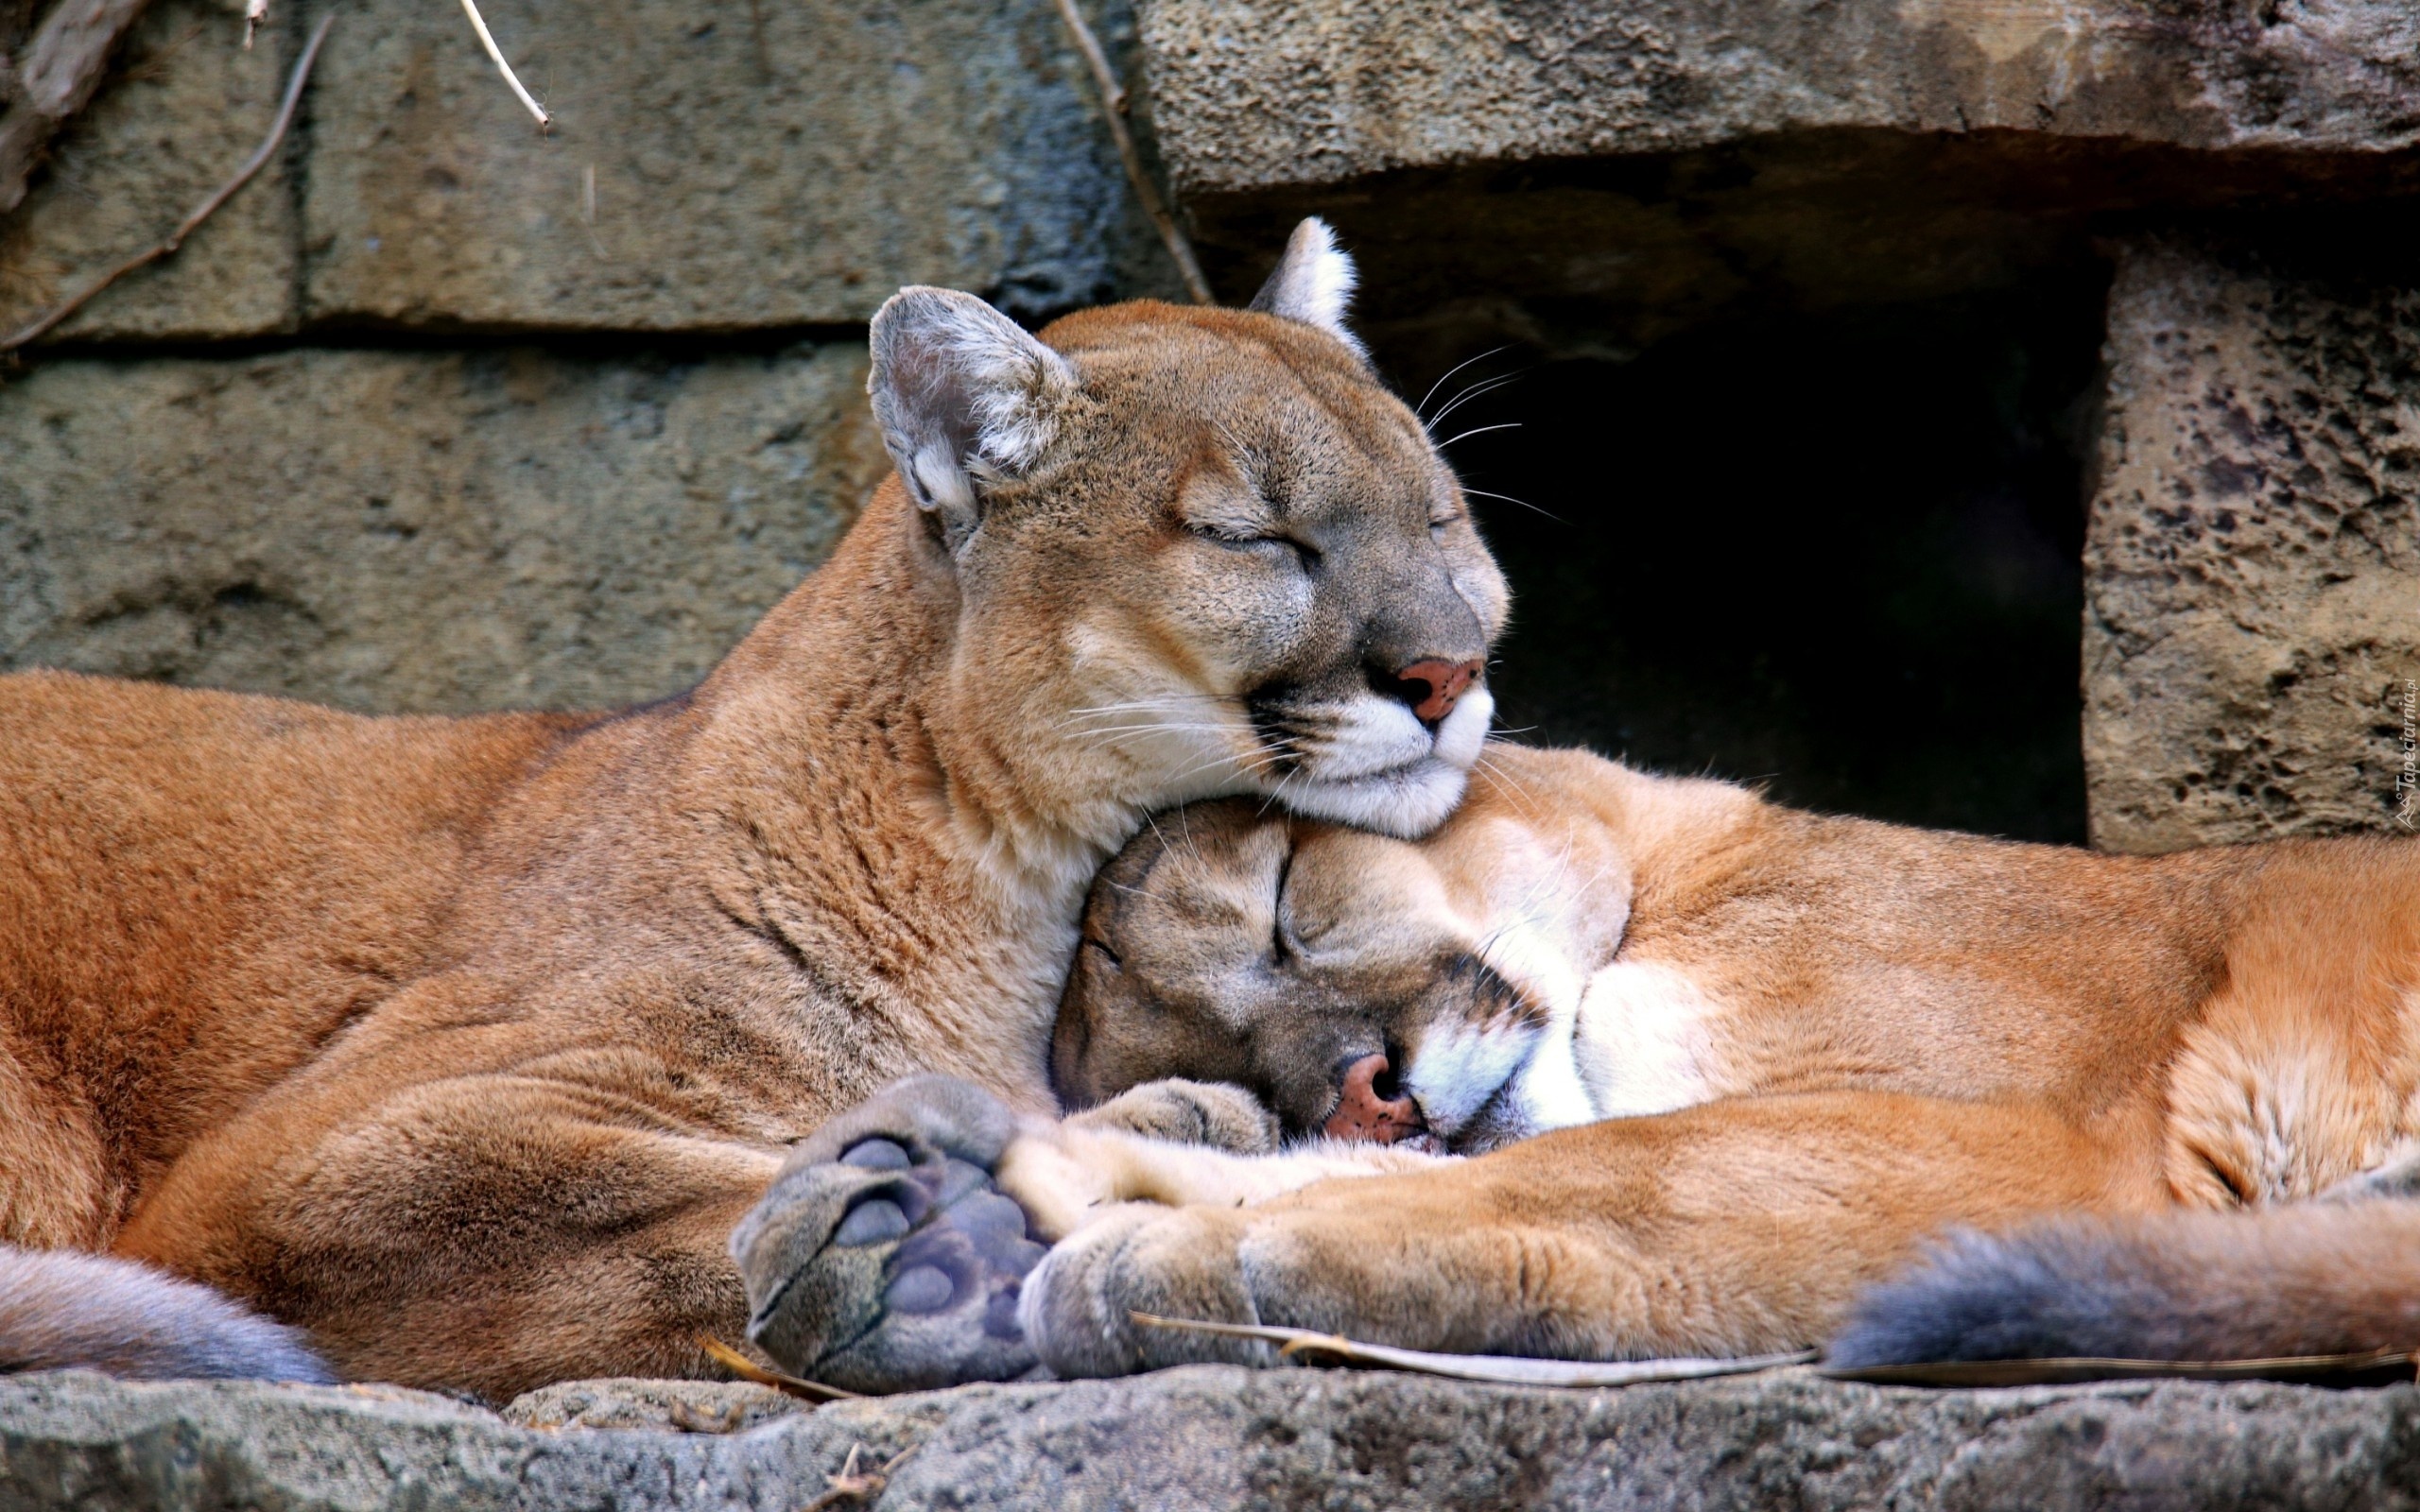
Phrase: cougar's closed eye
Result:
[1242,538]
[1283,944]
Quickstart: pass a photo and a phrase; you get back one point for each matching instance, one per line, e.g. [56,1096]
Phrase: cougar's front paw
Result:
[1079,1308]
[1215,1114]
[883,1258]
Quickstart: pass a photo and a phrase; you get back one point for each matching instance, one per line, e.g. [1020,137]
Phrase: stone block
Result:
[761,165]
[1444,83]
[2252,630]
[433,531]
[182,109]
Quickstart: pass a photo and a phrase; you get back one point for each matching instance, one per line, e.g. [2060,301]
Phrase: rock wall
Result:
[784,166]
[2252,634]
[615,372]
[440,414]
[520,527]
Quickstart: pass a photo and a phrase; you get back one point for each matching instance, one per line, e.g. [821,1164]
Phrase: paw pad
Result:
[878,1154]
[922,1289]
[889,1261]
[871,1222]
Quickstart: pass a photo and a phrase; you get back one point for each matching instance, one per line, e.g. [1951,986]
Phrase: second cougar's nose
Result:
[1433,685]
[1370,1106]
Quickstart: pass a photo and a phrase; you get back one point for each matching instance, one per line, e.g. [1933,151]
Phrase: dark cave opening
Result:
[1837,555]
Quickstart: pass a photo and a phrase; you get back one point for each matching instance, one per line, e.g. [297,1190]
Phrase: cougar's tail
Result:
[60,1309]
[2310,1279]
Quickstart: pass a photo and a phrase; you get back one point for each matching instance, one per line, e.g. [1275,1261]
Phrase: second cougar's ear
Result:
[1313,284]
[964,397]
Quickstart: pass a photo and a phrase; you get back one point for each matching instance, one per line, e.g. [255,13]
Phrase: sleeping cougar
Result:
[464,1043]
[1734,1064]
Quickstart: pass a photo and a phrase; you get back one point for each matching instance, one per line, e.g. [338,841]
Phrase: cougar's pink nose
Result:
[1371,1109]
[1432,687]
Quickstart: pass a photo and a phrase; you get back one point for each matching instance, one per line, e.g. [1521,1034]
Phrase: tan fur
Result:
[1854,1036]
[466,1042]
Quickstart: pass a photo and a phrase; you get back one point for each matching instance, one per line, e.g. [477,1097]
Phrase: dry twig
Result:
[851,1485]
[1113,98]
[1310,1347]
[2371,1368]
[747,1370]
[199,213]
[63,65]
[495,55]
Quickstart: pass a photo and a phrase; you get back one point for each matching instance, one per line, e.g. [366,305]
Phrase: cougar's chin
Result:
[1406,803]
[1376,768]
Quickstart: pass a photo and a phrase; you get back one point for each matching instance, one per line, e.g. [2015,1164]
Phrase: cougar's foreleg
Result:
[1734,1228]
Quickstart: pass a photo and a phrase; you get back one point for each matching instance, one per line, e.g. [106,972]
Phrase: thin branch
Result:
[495,55]
[63,66]
[747,1370]
[1113,96]
[1314,1348]
[201,211]
[1112,92]
[852,1484]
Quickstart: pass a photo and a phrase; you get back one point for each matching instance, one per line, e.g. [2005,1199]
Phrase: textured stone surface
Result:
[689,1407]
[760,165]
[183,108]
[2253,566]
[773,165]
[424,531]
[1219,1438]
[1437,83]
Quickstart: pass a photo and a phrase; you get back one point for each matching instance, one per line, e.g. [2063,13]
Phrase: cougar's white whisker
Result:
[1481,430]
[1478,391]
[1489,493]
[1442,382]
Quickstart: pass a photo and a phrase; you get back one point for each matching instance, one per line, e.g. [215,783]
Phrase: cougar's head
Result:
[1362,986]
[1197,551]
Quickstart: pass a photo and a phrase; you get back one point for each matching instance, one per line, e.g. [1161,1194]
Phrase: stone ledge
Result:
[1561,174]
[1443,84]
[1218,1437]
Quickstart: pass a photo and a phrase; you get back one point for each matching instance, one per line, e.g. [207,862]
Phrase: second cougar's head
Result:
[1364,987]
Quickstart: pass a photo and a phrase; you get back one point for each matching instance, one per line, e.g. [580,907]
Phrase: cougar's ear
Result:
[964,397]
[1313,284]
